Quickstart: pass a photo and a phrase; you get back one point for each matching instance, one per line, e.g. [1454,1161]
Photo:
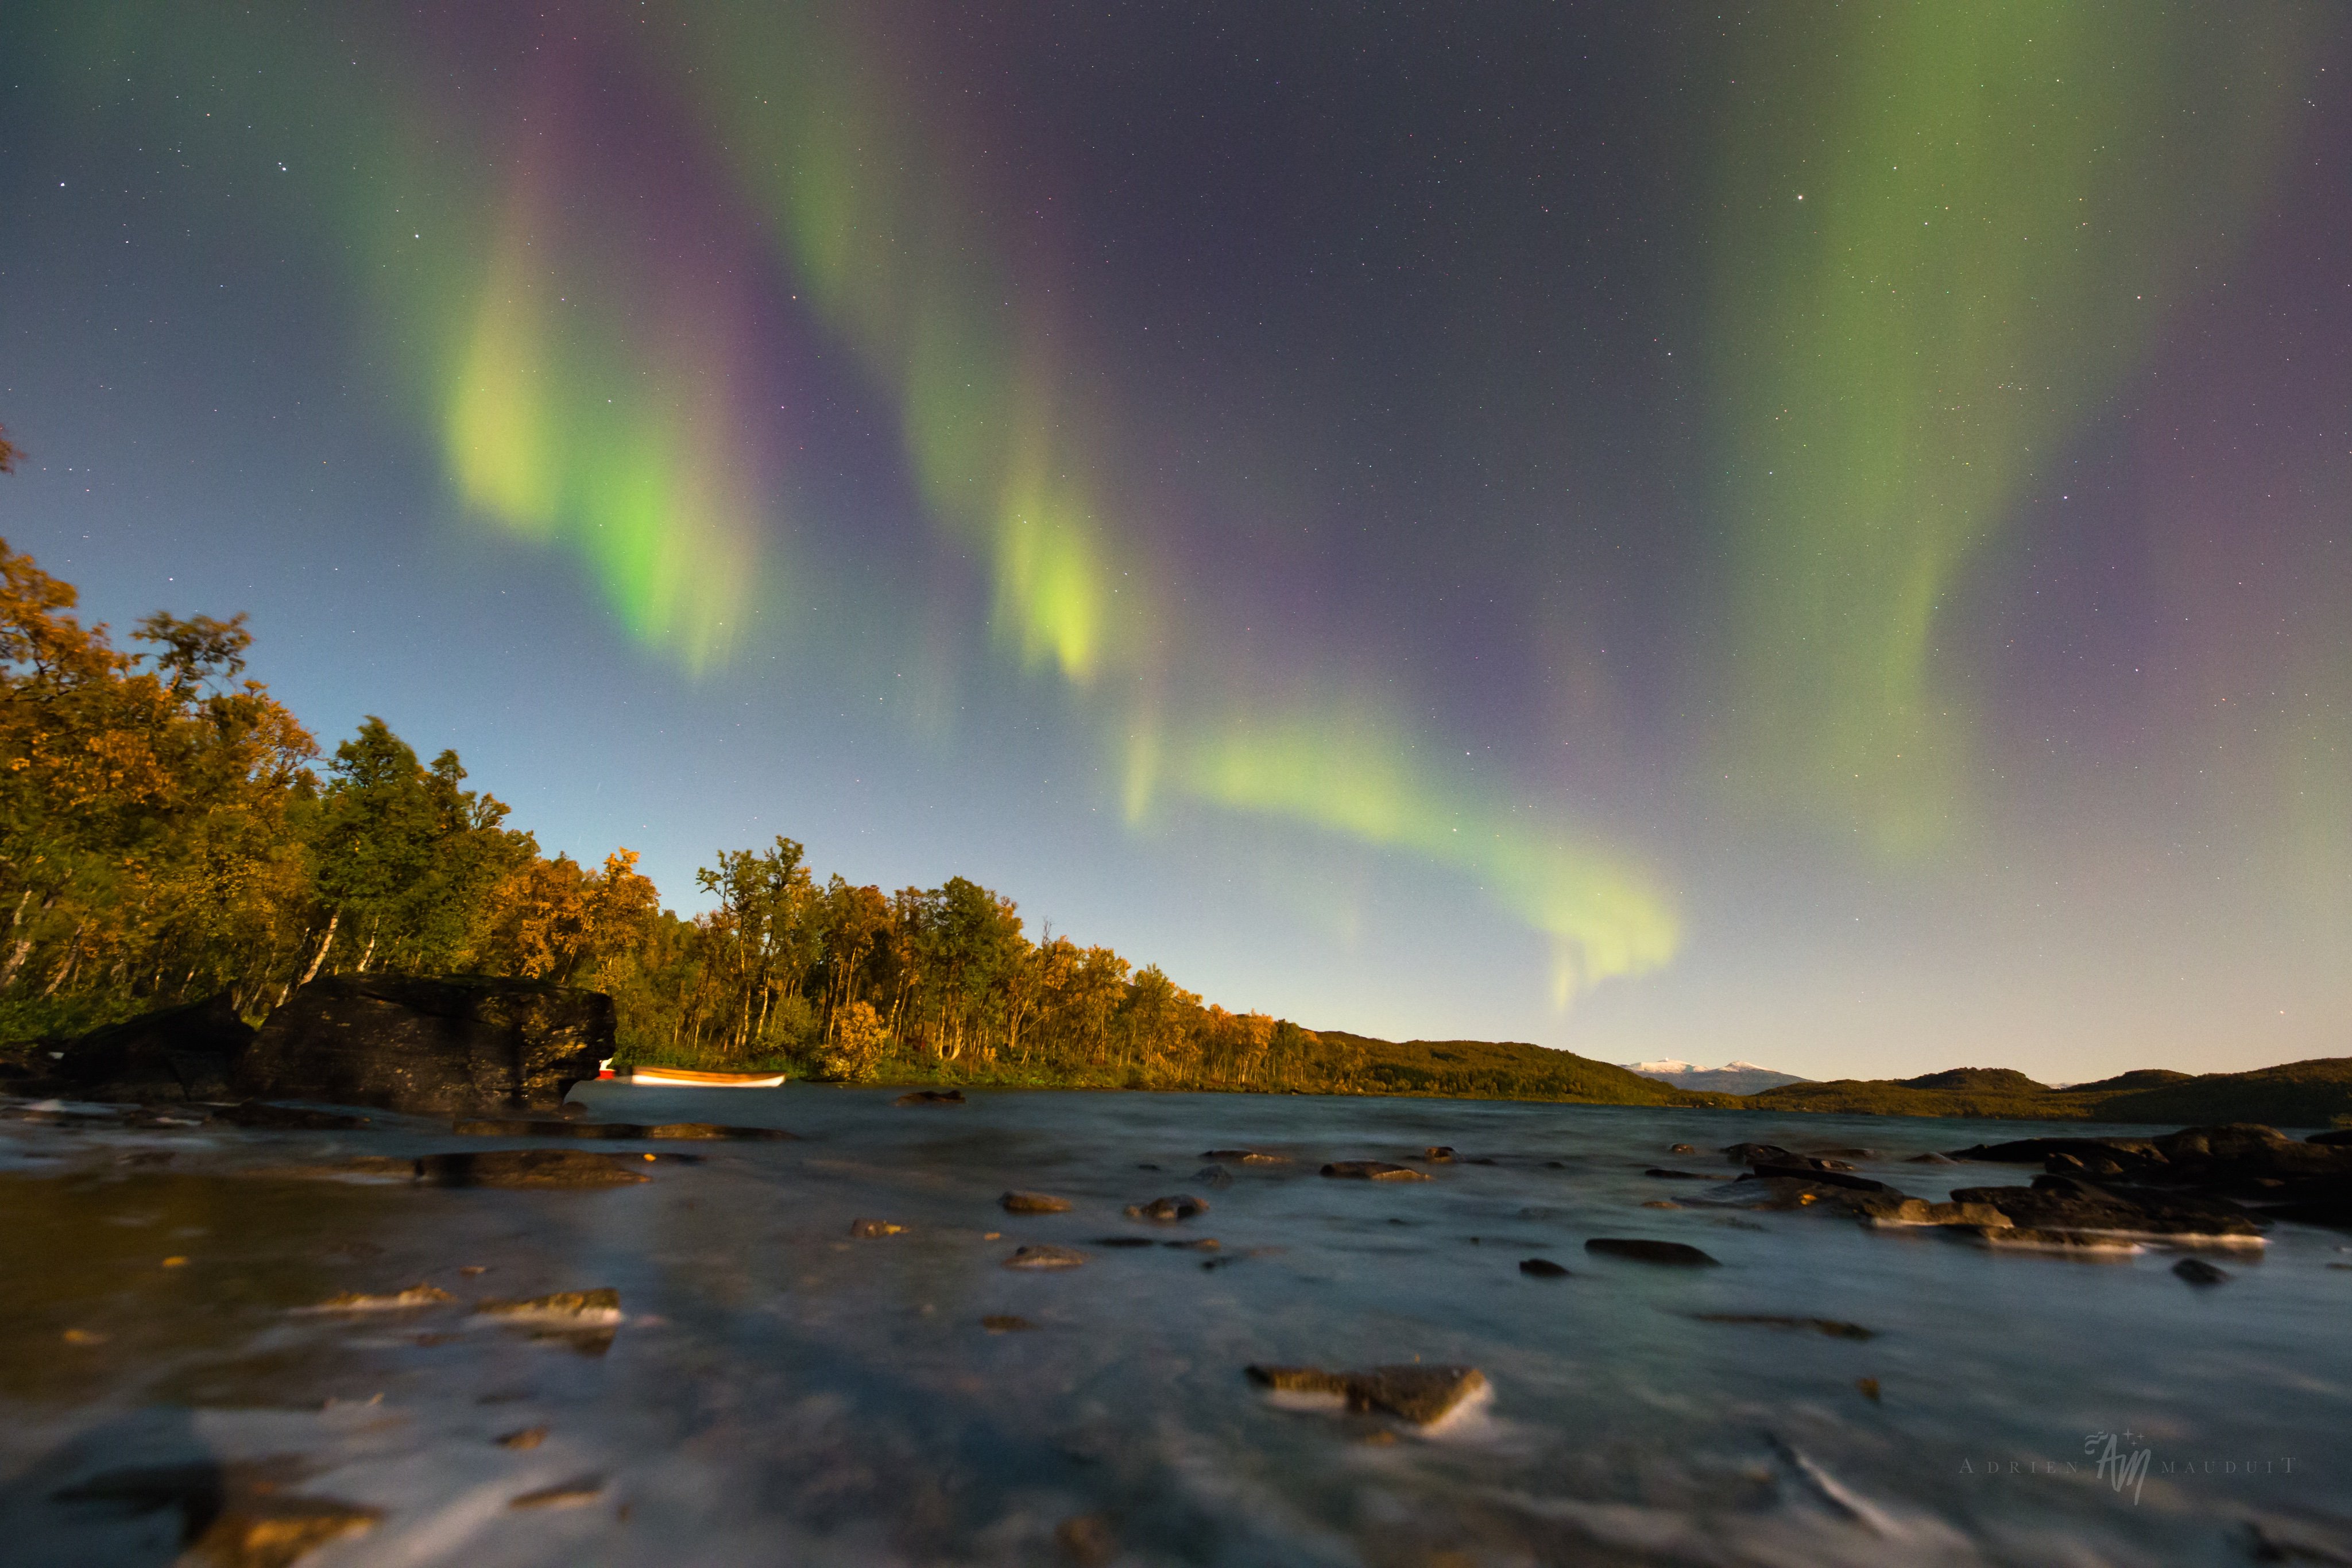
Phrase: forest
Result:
[169,831]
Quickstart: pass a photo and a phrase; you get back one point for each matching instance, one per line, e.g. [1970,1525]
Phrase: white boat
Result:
[686,1078]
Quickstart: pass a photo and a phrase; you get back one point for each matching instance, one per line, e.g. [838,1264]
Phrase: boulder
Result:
[448,1045]
[186,1052]
[2058,1203]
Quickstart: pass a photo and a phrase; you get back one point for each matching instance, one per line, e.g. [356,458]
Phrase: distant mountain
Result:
[2316,1093]
[1731,1078]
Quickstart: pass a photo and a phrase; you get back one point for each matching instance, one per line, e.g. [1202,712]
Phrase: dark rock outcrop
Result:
[186,1052]
[451,1045]
[2069,1202]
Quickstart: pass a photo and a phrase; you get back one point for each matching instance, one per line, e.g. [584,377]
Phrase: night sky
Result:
[1815,534]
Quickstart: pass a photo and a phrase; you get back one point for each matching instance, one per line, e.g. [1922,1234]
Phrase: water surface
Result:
[780,1392]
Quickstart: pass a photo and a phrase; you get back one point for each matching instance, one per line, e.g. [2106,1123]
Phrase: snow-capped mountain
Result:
[1731,1078]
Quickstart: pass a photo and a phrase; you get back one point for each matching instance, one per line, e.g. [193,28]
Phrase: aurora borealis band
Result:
[1771,531]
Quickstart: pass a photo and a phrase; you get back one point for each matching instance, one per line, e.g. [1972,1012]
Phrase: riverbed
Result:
[779,1390]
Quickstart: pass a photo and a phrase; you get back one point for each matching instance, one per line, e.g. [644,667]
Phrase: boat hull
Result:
[681,1078]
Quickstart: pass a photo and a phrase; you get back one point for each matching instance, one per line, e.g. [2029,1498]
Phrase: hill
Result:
[2315,1093]
[1488,1070]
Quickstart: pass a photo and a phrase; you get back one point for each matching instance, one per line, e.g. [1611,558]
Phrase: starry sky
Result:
[1810,533]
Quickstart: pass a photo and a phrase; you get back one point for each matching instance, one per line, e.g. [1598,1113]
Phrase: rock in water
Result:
[873,1230]
[565,1309]
[931,1097]
[1034,1203]
[1418,1394]
[2197,1271]
[1644,1251]
[451,1047]
[1245,1157]
[1830,1326]
[233,1514]
[1183,1205]
[186,1052]
[395,1301]
[1542,1269]
[1373,1170]
[531,1167]
[1040,1256]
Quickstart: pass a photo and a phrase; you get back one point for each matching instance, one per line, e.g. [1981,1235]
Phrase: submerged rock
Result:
[1664,1174]
[1005,1322]
[1123,1241]
[439,1045]
[394,1301]
[1542,1269]
[233,1514]
[873,1230]
[547,1128]
[1034,1203]
[1037,1255]
[1438,1154]
[259,1117]
[1182,1206]
[1749,1153]
[1415,1393]
[931,1097]
[1829,1326]
[1682,1149]
[1643,1251]
[1373,1170]
[1245,1157]
[2197,1271]
[2034,1238]
[1213,1176]
[531,1167]
[570,1309]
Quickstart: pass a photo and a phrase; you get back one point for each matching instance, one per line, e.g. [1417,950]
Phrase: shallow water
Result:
[780,1392]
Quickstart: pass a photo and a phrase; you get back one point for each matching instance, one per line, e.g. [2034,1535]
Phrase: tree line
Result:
[169,831]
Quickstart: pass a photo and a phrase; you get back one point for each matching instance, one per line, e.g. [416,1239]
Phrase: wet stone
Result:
[2197,1271]
[1124,1241]
[1438,1154]
[1182,1206]
[528,1167]
[873,1230]
[1682,1149]
[1542,1269]
[931,1097]
[563,1494]
[1641,1250]
[1829,1327]
[1372,1170]
[1037,1255]
[1421,1395]
[1032,1203]
[565,1307]
[1213,1176]
[1664,1174]
[1245,1157]
[416,1296]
